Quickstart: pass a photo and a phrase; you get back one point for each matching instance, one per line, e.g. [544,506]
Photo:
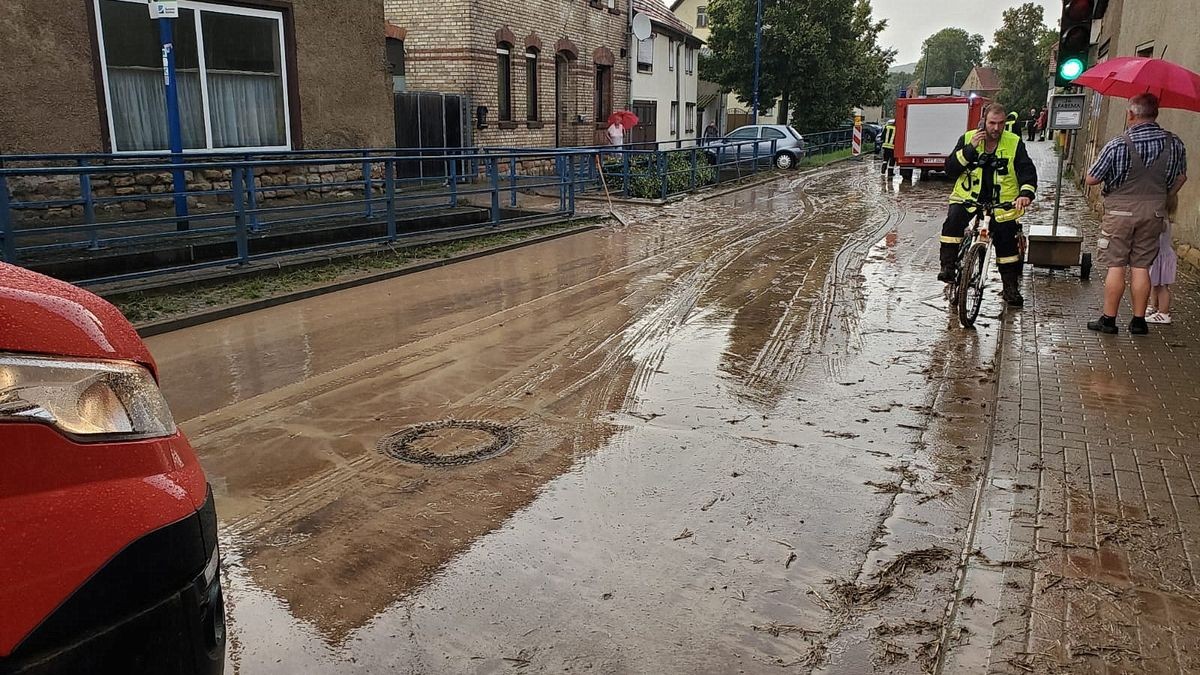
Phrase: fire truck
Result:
[928,128]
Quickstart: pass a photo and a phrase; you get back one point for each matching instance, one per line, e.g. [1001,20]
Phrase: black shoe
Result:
[947,275]
[1138,326]
[1013,297]
[1105,324]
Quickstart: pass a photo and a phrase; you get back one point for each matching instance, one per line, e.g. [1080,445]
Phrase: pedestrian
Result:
[1031,124]
[616,134]
[989,165]
[710,133]
[1162,275]
[889,148]
[1010,124]
[1140,169]
[1041,125]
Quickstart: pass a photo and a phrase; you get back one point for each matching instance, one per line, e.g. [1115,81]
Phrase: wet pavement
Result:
[746,437]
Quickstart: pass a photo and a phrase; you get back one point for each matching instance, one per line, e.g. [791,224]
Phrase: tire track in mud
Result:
[657,325]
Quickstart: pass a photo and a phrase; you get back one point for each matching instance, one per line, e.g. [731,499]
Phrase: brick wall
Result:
[451,48]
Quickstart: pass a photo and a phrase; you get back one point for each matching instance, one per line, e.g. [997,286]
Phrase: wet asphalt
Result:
[747,436]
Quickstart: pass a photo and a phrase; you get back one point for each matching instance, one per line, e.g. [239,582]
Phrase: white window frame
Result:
[674,118]
[197,8]
[702,16]
[649,52]
[670,54]
[689,60]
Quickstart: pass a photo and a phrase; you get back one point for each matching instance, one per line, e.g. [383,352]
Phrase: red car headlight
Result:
[89,400]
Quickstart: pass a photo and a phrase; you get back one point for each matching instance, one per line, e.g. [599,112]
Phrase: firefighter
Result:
[889,148]
[1011,123]
[994,162]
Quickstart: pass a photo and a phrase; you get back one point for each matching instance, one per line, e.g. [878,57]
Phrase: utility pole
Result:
[758,30]
[165,12]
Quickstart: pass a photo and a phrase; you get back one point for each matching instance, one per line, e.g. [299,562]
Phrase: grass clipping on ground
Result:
[158,305]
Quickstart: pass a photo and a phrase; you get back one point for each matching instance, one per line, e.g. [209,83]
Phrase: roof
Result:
[989,78]
[665,18]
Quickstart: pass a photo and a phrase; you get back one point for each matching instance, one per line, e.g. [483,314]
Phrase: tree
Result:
[1021,55]
[820,58]
[951,54]
[895,82]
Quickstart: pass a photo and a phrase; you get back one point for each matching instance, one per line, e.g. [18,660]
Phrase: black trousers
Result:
[1005,237]
[889,160]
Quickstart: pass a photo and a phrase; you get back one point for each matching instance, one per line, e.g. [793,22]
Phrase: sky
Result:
[911,21]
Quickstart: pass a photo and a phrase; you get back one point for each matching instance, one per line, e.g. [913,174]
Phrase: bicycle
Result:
[966,292]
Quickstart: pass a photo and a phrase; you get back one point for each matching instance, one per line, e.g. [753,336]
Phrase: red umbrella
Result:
[616,118]
[628,119]
[1128,76]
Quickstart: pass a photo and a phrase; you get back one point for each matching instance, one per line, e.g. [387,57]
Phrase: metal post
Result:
[662,171]
[571,185]
[1058,191]
[758,22]
[512,179]
[89,206]
[561,167]
[389,191]
[166,30]
[239,214]
[694,176]
[625,172]
[494,179]
[367,191]
[925,75]
[7,232]
[251,196]
[452,169]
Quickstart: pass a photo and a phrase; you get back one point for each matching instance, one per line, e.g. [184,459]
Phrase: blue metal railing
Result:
[79,208]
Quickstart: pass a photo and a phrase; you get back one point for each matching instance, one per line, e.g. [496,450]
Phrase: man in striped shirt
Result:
[1140,171]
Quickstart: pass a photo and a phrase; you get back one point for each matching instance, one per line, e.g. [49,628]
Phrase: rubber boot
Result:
[1012,286]
[949,260]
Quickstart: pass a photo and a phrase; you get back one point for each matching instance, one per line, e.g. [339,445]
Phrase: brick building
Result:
[86,76]
[548,72]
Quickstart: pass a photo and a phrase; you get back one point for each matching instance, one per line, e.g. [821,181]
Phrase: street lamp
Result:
[954,80]
[758,31]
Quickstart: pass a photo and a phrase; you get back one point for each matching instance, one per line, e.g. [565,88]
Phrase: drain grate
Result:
[400,445]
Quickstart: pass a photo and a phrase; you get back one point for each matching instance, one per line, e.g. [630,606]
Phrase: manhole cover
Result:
[449,442]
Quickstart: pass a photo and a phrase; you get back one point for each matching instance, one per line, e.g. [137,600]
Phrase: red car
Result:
[108,536]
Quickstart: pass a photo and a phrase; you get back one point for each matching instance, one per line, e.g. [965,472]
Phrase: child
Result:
[1162,275]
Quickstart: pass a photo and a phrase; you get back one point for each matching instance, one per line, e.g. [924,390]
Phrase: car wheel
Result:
[785,161]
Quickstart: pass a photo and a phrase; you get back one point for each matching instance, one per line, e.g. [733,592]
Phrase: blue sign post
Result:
[166,35]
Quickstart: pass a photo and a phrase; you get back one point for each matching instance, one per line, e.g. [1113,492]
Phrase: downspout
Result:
[678,96]
[632,53]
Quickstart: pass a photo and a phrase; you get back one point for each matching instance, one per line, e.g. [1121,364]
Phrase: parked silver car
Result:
[740,146]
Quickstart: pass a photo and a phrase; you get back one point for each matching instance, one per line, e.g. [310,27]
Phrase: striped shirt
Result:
[1112,166]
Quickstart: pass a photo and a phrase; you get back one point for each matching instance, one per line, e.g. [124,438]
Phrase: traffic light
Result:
[1074,40]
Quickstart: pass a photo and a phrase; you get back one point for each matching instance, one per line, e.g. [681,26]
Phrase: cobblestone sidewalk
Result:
[1087,539]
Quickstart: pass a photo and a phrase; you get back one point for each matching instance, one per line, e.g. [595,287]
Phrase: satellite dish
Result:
[641,26]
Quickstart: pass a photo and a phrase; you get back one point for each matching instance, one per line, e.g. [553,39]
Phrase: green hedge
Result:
[645,180]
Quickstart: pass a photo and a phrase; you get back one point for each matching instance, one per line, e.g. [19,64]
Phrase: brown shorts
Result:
[1129,236]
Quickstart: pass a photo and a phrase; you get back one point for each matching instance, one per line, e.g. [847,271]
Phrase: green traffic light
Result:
[1070,69]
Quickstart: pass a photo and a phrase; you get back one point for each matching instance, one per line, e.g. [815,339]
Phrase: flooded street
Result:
[737,435]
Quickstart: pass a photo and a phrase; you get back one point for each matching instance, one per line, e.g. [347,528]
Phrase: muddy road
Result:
[737,436]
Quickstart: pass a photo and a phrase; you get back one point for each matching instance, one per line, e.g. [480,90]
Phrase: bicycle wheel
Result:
[970,284]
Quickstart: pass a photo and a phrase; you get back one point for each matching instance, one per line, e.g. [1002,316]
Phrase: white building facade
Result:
[665,80]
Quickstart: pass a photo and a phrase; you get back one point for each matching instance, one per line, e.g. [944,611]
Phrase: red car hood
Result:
[41,315]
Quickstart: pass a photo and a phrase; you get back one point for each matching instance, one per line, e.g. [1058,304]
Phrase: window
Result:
[690,119]
[689,60]
[231,77]
[531,85]
[645,56]
[674,117]
[504,82]
[745,134]
[395,57]
[603,93]
[702,16]
[670,54]
[1146,50]
[770,134]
